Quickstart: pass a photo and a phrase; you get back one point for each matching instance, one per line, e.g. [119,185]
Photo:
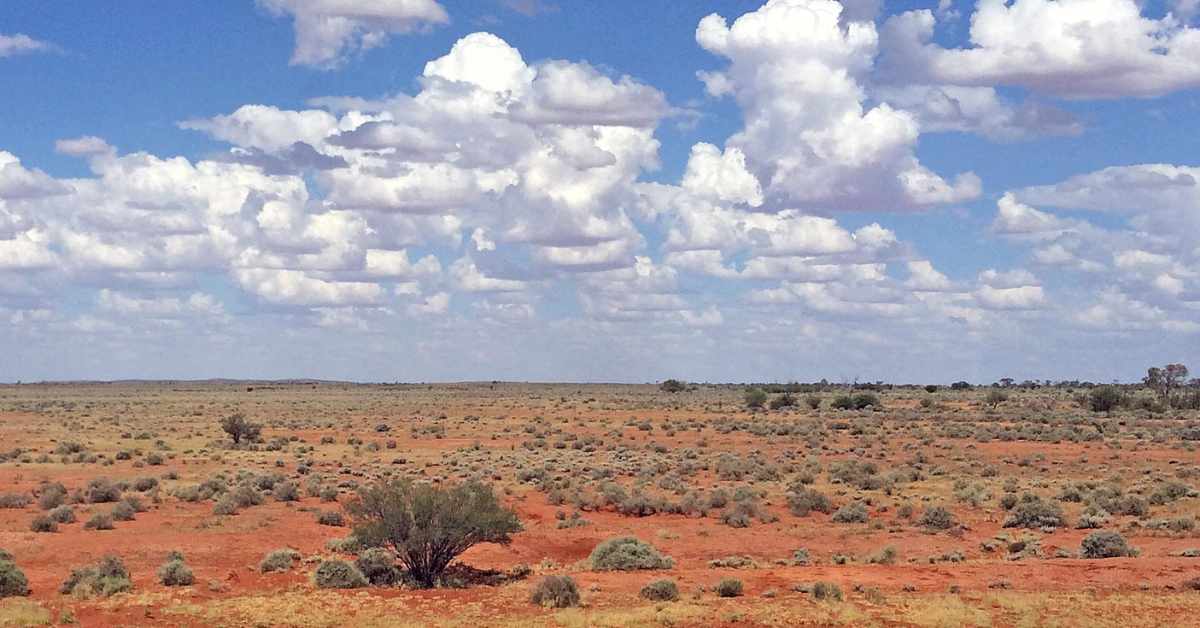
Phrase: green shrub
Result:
[826,591]
[331,518]
[62,514]
[53,496]
[1105,544]
[99,521]
[663,590]
[279,560]
[145,484]
[15,500]
[556,592]
[854,512]
[240,429]
[378,566]
[627,554]
[175,573]
[937,518]
[106,578]
[428,526]
[755,398]
[43,523]
[102,491]
[286,492]
[729,587]
[860,401]
[12,580]
[673,386]
[338,574]
[803,500]
[1032,511]
[1104,399]
[123,511]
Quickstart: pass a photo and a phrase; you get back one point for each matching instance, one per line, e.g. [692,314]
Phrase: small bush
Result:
[1032,511]
[123,511]
[378,566]
[1104,399]
[854,512]
[729,587]
[12,580]
[53,496]
[556,592]
[279,560]
[663,590]
[755,398]
[338,574]
[106,578]
[937,518]
[331,518]
[99,521]
[62,514]
[175,573]
[627,554]
[43,523]
[826,591]
[102,491]
[15,500]
[673,386]
[806,500]
[1105,544]
[861,401]
[286,492]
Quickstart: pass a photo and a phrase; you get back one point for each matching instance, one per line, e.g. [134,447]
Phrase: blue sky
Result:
[628,191]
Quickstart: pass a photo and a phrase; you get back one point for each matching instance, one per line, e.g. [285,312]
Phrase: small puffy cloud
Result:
[484,61]
[330,31]
[1018,298]
[1064,48]
[267,128]
[923,277]
[85,146]
[1016,289]
[294,287]
[19,43]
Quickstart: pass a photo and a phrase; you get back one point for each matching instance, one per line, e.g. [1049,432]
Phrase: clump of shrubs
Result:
[627,554]
[378,566]
[62,514]
[1032,511]
[331,518]
[826,591]
[43,523]
[854,512]
[556,592]
[175,572]
[15,500]
[860,401]
[12,580]
[102,491]
[803,500]
[104,579]
[1106,544]
[279,560]
[937,518]
[664,590]
[99,521]
[729,587]
[338,574]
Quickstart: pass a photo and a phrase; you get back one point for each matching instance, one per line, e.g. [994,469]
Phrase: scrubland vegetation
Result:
[674,504]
